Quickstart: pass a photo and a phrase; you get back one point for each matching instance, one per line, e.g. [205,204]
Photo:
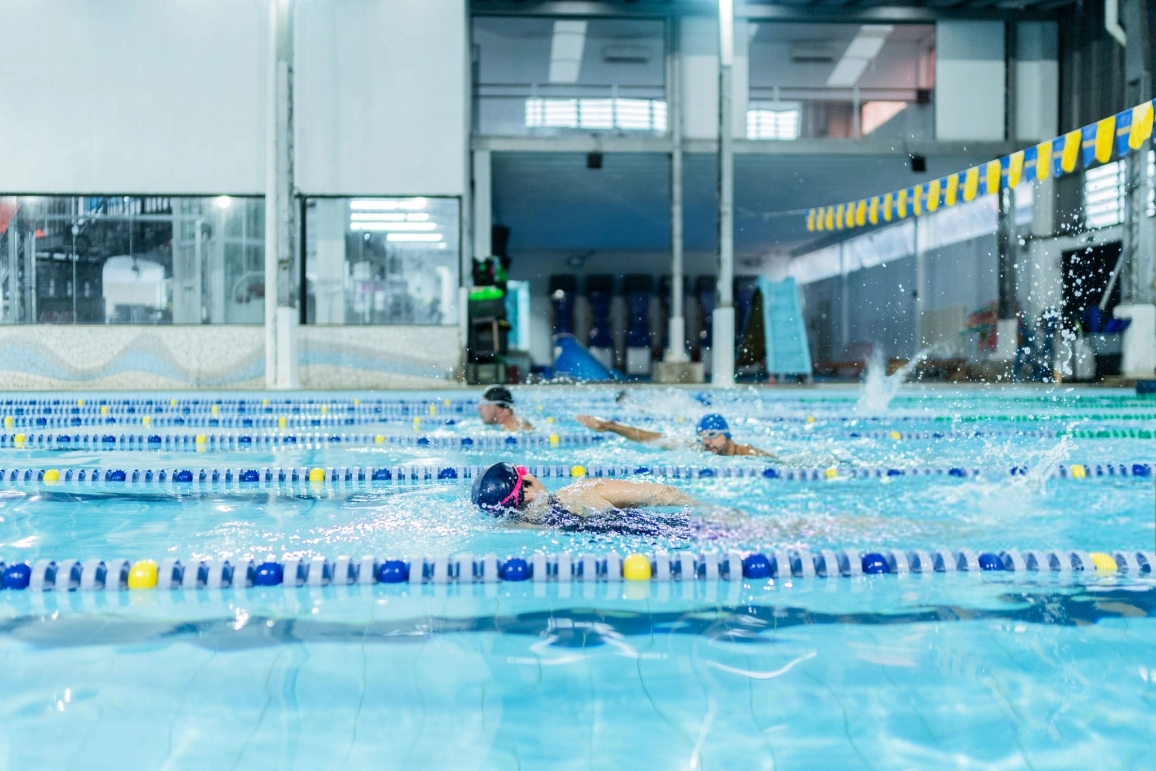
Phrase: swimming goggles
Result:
[522,471]
[711,433]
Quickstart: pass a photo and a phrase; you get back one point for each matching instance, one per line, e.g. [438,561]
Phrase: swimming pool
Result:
[763,645]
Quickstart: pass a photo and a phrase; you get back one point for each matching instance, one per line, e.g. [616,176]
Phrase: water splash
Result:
[879,388]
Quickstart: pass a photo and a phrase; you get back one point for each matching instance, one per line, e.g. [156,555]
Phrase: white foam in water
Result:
[879,388]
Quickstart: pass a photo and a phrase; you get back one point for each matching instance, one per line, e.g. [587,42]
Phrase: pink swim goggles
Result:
[522,471]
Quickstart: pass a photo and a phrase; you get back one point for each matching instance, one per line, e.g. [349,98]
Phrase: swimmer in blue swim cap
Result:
[714,435]
[513,493]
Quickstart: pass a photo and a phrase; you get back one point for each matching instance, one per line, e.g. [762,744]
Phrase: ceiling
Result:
[552,201]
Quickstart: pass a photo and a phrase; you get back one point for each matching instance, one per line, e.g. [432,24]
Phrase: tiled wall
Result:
[221,357]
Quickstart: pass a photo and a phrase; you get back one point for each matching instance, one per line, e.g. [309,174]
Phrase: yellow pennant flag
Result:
[1071,152]
[873,211]
[1044,160]
[901,205]
[971,183]
[1141,125]
[810,220]
[1015,169]
[830,218]
[861,214]
[917,200]
[839,217]
[934,190]
[888,207]
[952,196]
[1105,136]
[992,173]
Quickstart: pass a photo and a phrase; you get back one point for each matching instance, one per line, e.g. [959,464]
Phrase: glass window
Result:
[381,260]
[132,259]
[841,81]
[553,76]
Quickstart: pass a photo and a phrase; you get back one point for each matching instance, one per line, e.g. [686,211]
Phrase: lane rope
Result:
[259,441]
[115,575]
[241,478]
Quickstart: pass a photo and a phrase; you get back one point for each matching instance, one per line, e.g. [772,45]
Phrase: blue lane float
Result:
[564,567]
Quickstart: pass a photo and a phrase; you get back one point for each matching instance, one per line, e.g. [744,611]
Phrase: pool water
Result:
[966,670]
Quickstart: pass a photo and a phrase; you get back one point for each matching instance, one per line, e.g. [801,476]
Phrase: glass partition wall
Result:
[841,81]
[132,259]
[201,260]
[381,260]
[542,76]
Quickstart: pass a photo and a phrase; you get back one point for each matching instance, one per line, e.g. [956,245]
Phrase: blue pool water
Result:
[1003,669]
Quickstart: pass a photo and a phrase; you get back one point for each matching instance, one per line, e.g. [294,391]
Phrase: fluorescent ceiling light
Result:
[372,204]
[413,237]
[359,216]
[862,51]
[392,226]
[566,51]
[223,201]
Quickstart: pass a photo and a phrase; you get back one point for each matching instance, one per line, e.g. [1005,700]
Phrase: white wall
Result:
[380,97]
[699,50]
[970,82]
[133,96]
[1037,93]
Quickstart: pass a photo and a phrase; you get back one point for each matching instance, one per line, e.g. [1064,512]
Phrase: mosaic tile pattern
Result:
[231,357]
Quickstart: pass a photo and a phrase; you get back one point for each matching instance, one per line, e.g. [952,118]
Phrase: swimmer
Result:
[496,408]
[714,435]
[592,505]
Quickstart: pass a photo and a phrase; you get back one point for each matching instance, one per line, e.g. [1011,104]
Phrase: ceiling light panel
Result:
[566,51]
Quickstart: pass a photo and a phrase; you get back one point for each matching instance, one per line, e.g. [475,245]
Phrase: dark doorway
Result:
[1086,274]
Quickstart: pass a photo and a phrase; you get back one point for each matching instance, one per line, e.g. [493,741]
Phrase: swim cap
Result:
[499,395]
[498,488]
[714,423]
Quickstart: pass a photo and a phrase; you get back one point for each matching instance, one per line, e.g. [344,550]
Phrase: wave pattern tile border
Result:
[378,357]
[51,356]
[233,357]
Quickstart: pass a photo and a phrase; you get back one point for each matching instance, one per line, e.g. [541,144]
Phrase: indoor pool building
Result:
[550,384]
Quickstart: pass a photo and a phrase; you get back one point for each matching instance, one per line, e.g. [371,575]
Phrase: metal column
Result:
[676,328]
[1137,253]
[1006,233]
[723,343]
[281,227]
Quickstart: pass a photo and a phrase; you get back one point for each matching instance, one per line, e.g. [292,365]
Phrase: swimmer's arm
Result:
[610,493]
[630,432]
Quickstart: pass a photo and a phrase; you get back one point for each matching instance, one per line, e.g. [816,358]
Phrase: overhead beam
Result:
[648,9]
[589,143]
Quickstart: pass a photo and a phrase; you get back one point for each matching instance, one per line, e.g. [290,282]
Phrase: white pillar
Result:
[723,343]
[281,314]
[483,204]
[920,286]
[329,224]
[676,327]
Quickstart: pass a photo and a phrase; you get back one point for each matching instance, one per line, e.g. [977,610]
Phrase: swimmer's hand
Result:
[630,432]
[593,423]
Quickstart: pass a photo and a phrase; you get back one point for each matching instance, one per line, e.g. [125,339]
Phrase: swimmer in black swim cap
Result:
[512,492]
[496,408]
[714,435]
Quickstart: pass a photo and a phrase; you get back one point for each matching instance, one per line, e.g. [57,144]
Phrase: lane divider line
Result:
[274,477]
[116,575]
[260,441]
